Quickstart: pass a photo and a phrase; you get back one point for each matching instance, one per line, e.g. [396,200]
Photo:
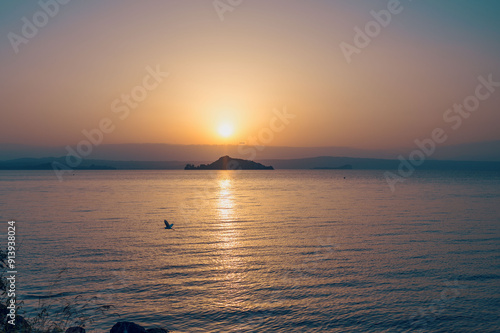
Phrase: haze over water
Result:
[263,251]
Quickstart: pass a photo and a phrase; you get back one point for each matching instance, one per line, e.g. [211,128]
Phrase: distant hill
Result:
[330,162]
[229,163]
[88,164]
[343,167]
[46,164]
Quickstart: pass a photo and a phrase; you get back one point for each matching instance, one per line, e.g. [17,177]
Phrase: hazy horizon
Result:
[478,151]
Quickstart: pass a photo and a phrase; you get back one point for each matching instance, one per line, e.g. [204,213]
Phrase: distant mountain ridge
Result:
[88,164]
[322,162]
[332,162]
[342,167]
[478,151]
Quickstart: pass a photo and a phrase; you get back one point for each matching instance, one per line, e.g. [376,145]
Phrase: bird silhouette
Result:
[168,226]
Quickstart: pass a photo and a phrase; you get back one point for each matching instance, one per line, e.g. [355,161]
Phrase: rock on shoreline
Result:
[123,327]
[130,327]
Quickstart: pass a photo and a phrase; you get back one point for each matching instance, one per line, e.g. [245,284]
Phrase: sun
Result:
[225,130]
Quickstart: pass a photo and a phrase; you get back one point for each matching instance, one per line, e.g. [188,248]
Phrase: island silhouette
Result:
[229,163]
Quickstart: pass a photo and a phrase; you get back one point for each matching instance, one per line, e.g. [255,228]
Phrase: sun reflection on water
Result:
[230,260]
[225,201]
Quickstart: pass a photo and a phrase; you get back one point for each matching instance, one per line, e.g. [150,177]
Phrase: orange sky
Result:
[265,55]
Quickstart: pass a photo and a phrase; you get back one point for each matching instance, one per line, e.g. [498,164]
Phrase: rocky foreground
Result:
[23,326]
[119,327]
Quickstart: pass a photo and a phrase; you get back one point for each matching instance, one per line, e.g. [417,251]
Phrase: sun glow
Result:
[225,130]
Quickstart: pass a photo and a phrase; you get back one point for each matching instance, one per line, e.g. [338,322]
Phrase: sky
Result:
[270,72]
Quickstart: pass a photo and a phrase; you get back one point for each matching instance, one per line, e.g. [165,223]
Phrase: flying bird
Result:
[168,226]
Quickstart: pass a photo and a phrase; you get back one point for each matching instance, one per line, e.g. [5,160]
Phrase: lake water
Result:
[262,251]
